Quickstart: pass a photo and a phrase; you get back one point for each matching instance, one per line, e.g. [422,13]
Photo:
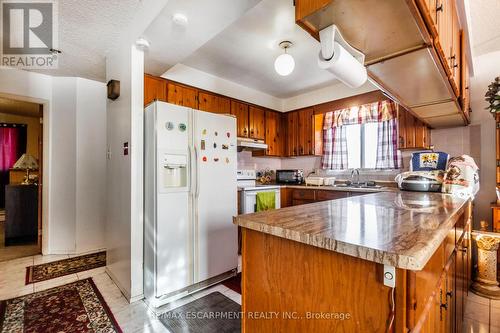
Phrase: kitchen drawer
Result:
[297,202]
[330,195]
[303,194]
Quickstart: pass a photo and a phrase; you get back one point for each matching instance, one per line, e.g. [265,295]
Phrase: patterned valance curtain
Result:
[335,148]
[367,113]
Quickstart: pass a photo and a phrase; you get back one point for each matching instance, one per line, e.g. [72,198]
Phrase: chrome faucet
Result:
[352,176]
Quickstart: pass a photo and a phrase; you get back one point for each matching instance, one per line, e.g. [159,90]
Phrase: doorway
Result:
[21,152]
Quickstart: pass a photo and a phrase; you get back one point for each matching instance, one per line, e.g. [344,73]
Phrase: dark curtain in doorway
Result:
[13,139]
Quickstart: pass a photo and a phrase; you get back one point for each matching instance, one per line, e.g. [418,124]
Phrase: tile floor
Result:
[14,251]
[132,318]
[482,315]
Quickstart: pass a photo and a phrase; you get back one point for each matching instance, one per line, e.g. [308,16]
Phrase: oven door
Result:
[249,199]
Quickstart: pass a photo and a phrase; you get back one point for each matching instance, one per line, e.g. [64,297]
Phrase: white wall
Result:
[62,166]
[90,165]
[65,155]
[124,221]
[194,77]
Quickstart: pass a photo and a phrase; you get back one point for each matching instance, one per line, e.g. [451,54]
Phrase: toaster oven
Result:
[294,176]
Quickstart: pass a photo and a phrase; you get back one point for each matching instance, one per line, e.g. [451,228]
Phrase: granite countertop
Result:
[401,229]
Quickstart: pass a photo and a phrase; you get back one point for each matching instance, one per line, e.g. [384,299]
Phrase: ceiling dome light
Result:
[284,63]
[180,19]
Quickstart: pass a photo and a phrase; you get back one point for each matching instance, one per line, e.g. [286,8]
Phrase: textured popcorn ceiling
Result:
[485,15]
[88,29]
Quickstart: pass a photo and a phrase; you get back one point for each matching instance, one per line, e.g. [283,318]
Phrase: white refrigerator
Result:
[190,199]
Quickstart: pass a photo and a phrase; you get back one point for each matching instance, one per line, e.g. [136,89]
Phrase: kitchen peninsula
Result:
[321,266]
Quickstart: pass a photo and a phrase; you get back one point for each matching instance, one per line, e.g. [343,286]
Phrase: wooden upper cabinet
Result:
[273,135]
[292,131]
[257,122]
[401,128]
[465,94]
[413,133]
[456,50]
[155,88]
[305,131]
[182,95]
[213,103]
[240,110]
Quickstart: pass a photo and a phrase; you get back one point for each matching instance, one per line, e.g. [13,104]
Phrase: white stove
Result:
[248,187]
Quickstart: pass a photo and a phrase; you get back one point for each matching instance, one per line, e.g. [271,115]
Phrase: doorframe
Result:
[43,160]
[40,178]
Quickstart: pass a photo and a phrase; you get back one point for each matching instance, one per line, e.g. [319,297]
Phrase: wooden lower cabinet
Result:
[297,281]
[298,196]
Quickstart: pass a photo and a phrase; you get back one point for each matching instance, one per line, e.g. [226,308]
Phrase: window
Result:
[362,145]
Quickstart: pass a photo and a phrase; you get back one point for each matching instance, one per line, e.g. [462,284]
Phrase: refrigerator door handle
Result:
[190,174]
[197,185]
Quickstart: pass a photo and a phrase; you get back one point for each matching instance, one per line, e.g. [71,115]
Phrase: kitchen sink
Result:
[360,185]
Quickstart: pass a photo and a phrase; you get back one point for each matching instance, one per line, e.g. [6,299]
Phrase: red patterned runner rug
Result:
[75,307]
[63,267]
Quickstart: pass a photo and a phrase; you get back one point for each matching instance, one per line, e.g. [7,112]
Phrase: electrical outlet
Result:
[389,276]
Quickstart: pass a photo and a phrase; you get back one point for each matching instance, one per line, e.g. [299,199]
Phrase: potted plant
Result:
[493,96]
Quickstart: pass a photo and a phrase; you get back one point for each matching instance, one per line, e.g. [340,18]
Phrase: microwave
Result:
[295,176]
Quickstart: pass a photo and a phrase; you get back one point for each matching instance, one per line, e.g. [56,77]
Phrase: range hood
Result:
[251,144]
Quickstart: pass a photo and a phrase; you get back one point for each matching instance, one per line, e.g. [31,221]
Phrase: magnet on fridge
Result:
[204,159]
[227,159]
[204,132]
[216,133]
[182,127]
[216,159]
[215,145]
[202,144]
[225,147]
[169,125]
[228,134]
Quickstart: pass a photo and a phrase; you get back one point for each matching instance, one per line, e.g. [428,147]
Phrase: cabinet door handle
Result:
[449,294]
[444,306]
[439,8]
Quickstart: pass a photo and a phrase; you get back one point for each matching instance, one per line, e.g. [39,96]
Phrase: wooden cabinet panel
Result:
[421,135]
[410,130]
[456,49]
[305,131]
[298,202]
[154,89]
[213,103]
[323,195]
[240,110]
[318,134]
[257,122]
[273,133]
[292,130]
[401,128]
[182,95]
[304,194]
[190,97]
[285,197]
